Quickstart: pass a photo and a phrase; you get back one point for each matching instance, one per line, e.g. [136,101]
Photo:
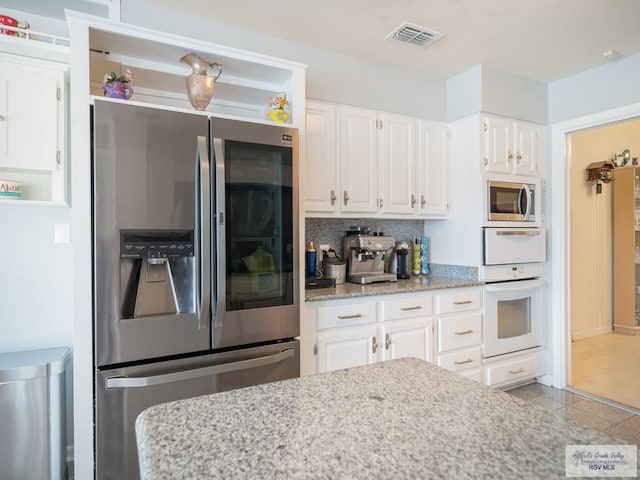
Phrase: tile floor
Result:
[608,366]
[589,413]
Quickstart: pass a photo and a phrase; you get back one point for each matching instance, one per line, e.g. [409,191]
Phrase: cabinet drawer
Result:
[407,307]
[459,331]
[461,359]
[511,370]
[468,299]
[346,315]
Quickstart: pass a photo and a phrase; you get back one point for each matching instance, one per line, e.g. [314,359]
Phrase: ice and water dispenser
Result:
[157,269]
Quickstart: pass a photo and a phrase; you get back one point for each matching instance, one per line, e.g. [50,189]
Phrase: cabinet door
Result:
[30,123]
[497,144]
[321,167]
[398,164]
[433,164]
[358,138]
[402,339]
[348,347]
[526,148]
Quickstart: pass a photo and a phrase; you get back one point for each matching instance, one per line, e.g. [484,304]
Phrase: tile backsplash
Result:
[331,230]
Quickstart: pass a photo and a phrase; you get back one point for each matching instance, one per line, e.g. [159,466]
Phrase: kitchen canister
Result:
[335,267]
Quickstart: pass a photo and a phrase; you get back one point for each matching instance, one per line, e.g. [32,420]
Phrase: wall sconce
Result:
[601,172]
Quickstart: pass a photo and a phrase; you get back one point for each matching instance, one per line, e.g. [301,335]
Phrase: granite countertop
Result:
[401,419]
[441,276]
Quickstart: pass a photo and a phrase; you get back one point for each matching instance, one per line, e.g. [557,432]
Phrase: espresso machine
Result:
[366,258]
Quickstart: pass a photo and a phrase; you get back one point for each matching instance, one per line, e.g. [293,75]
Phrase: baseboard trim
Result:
[626,330]
[591,333]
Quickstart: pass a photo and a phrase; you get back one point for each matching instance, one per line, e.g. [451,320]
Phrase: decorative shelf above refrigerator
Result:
[243,89]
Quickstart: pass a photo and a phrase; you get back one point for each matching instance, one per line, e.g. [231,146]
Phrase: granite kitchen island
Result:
[402,418]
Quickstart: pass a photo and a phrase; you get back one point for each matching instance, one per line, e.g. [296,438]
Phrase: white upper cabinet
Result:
[433,169]
[398,164]
[510,147]
[32,126]
[321,160]
[358,146]
[374,164]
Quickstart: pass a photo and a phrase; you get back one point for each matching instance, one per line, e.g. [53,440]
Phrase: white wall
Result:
[609,86]
[483,89]
[331,76]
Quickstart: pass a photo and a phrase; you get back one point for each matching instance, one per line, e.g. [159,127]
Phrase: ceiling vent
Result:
[414,35]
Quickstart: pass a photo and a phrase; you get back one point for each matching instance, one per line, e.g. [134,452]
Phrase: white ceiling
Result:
[544,40]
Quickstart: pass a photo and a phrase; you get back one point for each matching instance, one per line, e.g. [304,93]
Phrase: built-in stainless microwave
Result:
[511,201]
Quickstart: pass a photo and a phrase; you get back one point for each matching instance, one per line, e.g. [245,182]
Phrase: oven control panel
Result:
[516,271]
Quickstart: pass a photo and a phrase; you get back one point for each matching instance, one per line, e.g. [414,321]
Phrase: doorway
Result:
[604,363]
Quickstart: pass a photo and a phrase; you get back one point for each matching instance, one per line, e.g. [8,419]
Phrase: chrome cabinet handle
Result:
[413,200]
[466,332]
[515,372]
[333,197]
[510,155]
[374,345]
[423,201]
[380,203]
[464,362]
[345,197]
[463,302]
[1,118]
[387,341]
[525,233]
[406,309]
[348,317]
[519,157]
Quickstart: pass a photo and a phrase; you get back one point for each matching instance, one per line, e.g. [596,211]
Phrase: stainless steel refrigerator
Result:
[195,263]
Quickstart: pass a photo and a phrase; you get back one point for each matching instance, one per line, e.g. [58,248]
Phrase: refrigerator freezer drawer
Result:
[122,394]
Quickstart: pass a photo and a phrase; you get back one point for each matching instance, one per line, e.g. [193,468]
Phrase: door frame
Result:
[560,251]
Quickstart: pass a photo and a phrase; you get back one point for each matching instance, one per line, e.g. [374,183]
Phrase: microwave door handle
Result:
[218,153]
[204,227]
[520,198]
[527,191]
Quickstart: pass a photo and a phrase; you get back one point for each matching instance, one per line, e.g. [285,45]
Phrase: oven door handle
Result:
[133,382]
[513,288]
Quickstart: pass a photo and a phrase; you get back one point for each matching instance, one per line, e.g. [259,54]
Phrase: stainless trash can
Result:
[33,414]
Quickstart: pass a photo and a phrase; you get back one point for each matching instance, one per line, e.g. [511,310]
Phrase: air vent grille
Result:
[414,35]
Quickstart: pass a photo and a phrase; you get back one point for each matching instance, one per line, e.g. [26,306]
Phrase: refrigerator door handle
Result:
[221,278]
[204,225]
[134,382]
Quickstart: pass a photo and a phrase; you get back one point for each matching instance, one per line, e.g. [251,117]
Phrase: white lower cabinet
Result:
[512,368]
[407,338]
[347,347]
[459,326]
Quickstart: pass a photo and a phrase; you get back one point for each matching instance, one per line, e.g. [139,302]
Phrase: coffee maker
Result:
[366,257]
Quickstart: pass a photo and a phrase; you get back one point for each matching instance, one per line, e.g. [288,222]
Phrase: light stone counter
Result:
[442,276]
[400,419]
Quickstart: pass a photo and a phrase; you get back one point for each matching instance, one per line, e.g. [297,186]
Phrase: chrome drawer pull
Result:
[406,309]
[463,302]
[464,362]
[520,233]
[374,344]
[515,372]
[348,317]
[466,332]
